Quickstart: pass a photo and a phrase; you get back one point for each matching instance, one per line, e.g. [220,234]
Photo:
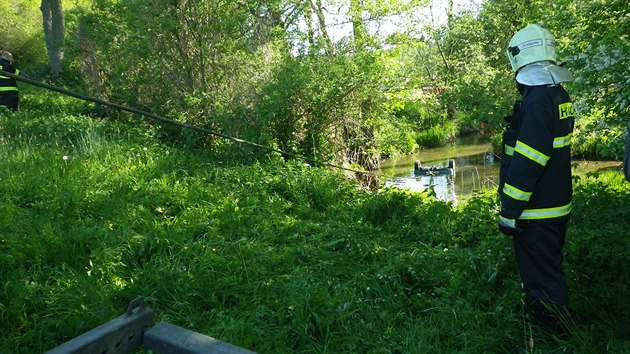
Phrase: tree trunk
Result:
[449,14]
[308,16]
[54,28]
[319,11]
[358,26]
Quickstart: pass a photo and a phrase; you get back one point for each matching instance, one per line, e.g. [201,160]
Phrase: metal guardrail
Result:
[166,338]
[133,330]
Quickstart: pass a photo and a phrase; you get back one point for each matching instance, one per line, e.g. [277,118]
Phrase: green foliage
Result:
[22,34]
[478,88]
[96,212]
[597,58]
[597,253]
[252,69]
[395,206]
[407,108]
[195,62]
[596,137]
[496,141]
[296,255]
[304,104]
[396,139]
[436,136]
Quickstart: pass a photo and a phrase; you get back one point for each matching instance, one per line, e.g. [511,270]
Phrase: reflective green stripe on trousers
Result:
[545,213]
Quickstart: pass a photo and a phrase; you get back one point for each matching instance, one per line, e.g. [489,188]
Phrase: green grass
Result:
[436,136]
[274,257]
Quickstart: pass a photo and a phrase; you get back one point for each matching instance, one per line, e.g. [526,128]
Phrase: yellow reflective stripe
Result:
[566,110]
[509,150]
[531,153]
[8,88]
[17,71]
[516,193]
[562,141]
[546,213]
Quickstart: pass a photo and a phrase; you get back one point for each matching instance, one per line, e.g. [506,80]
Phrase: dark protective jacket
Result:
[535,184]
[9,96]
[7,83]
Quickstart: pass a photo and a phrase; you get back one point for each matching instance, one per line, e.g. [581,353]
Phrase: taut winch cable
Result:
[174,122]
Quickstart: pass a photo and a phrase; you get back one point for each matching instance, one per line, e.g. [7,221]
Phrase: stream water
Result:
[476,167]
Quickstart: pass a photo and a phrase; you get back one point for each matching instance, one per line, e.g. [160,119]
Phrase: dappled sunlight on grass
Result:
[299,256]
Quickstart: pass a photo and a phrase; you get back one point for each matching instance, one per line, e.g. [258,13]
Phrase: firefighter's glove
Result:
[508,226]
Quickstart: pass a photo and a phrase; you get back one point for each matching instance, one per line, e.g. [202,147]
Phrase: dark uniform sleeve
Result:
[532,151]
[9,96]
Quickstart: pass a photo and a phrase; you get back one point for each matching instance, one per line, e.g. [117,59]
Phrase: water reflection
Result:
[475,168]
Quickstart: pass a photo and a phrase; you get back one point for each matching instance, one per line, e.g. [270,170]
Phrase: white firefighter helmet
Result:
[531,44]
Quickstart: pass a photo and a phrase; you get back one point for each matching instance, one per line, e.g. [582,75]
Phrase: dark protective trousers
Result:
[10,99]
[538,251]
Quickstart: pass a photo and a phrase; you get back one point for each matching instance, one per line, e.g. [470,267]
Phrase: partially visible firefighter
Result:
[535,182]
[9,96]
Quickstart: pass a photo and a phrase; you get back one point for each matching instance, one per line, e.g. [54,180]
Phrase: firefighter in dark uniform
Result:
[535,183]
[9,96]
